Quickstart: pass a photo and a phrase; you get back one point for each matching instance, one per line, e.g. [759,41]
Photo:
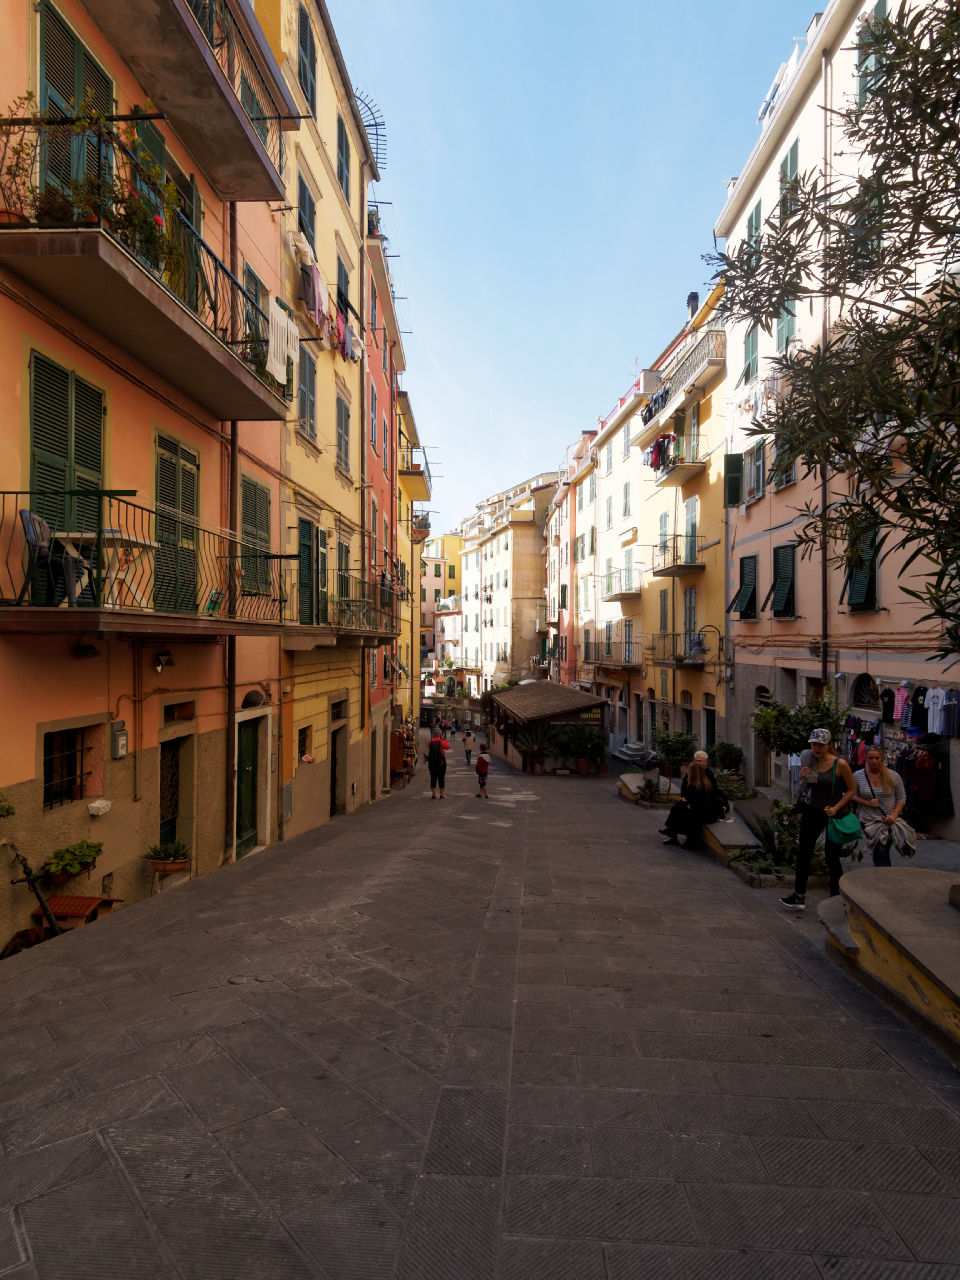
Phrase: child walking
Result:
[483,768]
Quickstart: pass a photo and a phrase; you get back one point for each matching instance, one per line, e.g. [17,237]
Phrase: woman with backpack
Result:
[436,762]
[483,768]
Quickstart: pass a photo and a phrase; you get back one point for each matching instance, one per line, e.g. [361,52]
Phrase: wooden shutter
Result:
[307,60]
[306,211]
[87,452]
[343,157]
[783,570]
[49,439]
[745,601]
[733,479]
[307,394]
[323,613]
[306,575]
[862,581]
[255,532]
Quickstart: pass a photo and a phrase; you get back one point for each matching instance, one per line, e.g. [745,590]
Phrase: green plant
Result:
[777,837]
[73,858]
[725,755]
[6,808]
[18,155]
[733,787]
[786,730]
[676,747]
[649,791]
[537,740]
[581,740]
[170,851]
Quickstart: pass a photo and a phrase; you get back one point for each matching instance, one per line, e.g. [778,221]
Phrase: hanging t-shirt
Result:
[918,715]
[900,699]
[934,704]
[951,714]
[886,706]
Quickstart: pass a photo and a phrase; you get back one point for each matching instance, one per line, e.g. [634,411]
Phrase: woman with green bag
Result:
[830,788]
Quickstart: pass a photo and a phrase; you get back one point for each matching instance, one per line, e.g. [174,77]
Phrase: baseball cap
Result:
[823,736]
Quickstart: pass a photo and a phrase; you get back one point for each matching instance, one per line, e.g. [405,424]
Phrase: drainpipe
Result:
[363,438]
[233,496]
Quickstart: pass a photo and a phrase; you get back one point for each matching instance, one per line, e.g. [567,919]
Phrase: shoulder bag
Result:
[845,830]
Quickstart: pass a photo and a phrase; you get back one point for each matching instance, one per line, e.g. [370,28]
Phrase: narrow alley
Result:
[513,1039]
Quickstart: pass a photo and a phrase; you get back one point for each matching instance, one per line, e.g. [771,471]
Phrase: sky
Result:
[554,172]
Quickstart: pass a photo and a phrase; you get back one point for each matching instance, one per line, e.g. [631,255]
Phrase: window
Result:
[662,534]
[628,569]
[861,582]
[175,557]
[784,473]
[373,306]
[586,646]
[307,60]
[610,513]
[436,594]
[868,59]
[626,441]
[373,414]
[788,179]
[579,497]
[373,666]
[751,358]
[628,641]
[386,353]
[733,479]
[250,101]
[343,434]
[438,570]
[343,570]
[745,601]
[306,573]
[592,492]
[563,595]
[626,498]
[343,286]
[782,595]
[307,395]
[66,763]
[423,595]
[608,638]
[374,550]
[452,571]
[754,226]
[253,305]
[866,693]
[754,475]
[306,211]
[386,461]
[593,539]
[786,325]
[255,532]
[689,614]
[343,157]
[608,577]
[609,457]
[664,610]
[70,79]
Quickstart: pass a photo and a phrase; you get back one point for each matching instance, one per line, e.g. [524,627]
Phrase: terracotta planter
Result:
[583,766]
[10,218]
[169,866]
[58,877]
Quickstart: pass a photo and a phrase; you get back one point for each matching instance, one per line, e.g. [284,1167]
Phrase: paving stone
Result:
[658,1262]
[539,1105]
[425,1048]
[550,1260]
[946,1160]
[488,1008]
[68,1242]
[818,1163]
[65,1119]
[349,1233]
[930,1225]
[626,1151]
[37,1172]
[452,1230]
[602,1208]
[800,1219]
[11,1252]
[549,1150]
[382,1151]
[874,1269]
[102,1072]
[318,1097]
[468,1133]
[544,1068]
[282,1159]
[406,1092]
[865,1122]
[763,1080]
[647,1073]
[165,1154]
[219,1092]
[478,1055]
[259,1047]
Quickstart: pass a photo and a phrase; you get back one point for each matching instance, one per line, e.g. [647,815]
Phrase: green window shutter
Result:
[628,569]
[782,603]
[255,533]
[343,157]
[307,60]
[306,211]
[786,325]
[307,394]
[152,146]
[49,439]
[745,601]
[305,575]
[664,610]
[323,615]
[862,581]
[754,225]
[59,64]
[733,480]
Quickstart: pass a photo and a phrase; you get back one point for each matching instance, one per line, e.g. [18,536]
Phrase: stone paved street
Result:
[462,1040]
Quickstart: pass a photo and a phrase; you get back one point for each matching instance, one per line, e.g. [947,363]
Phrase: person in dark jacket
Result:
[701,802]
[437,762]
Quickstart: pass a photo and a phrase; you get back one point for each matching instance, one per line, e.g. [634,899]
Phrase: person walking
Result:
[469,742]
[830,788]
[701,802]
[436,762]
[483,768]
[880,799]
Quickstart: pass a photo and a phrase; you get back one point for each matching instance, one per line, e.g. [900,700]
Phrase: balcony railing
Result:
[89,179]
[358,605]
[618,653]
[619,584]
[672,452]
[677,553]
[685,648]
[238,64]
[712,346]
[90,549]
[413,460]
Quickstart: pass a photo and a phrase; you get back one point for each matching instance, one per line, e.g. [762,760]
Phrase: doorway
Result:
[248,774]
[374,764]
[338,747]
[169,790]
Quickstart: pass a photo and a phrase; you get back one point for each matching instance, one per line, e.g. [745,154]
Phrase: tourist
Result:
[436,762]
[483,768]
[469,742]
[701,802]
[880,798]
[830,788]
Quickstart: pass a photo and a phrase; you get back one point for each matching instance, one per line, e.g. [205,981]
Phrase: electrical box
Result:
[118,739]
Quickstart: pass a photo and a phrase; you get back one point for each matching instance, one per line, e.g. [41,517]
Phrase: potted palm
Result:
[168,857]
[537,741]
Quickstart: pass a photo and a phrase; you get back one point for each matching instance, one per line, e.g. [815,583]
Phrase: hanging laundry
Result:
[341,333]
[277,342]
[900,698]
[302,248]
[354,348]
[307,293]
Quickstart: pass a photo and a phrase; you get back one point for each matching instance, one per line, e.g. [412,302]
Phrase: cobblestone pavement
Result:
[513,1039]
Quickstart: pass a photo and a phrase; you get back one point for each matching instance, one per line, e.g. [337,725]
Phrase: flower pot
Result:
[583,766]
[169,866]
[11,218]
[59,877]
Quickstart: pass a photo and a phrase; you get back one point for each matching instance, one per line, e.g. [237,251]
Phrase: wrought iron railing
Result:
[619,653]
[684,647]
[619,582]
[95,549]
[681,449]
[712,346]
[678,550]
[221,32]
[81,173]
[414,460]
[358,605]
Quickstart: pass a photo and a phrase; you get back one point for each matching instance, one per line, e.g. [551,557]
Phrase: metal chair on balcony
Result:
[58,558]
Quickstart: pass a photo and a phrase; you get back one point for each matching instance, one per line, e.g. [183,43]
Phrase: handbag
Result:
[900,836]
[845,830]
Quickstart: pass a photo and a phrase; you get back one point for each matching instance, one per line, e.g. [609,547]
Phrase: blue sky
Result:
[555,172]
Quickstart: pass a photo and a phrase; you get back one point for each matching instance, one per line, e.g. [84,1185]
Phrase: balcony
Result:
[359,607]
[216,80]
[695,370]
[680,460]
[677,554]
[619,654]
[414,472]
[620,584]
[91,561]
[108,247]
[420,528]
[686,648]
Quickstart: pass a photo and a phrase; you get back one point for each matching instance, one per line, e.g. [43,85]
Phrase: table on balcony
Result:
[127,577]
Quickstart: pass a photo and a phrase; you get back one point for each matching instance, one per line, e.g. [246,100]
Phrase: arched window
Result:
[865,693]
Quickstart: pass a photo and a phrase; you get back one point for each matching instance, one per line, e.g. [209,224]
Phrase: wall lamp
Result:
[162,660]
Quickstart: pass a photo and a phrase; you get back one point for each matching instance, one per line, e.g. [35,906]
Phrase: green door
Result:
[248,754]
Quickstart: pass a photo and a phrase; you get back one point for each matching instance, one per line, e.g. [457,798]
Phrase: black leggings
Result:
[812,822]
[437,774]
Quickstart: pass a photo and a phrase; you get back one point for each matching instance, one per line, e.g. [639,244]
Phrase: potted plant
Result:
[168,857]
[583,742]
[537,741]
[71,859]
[19,136]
